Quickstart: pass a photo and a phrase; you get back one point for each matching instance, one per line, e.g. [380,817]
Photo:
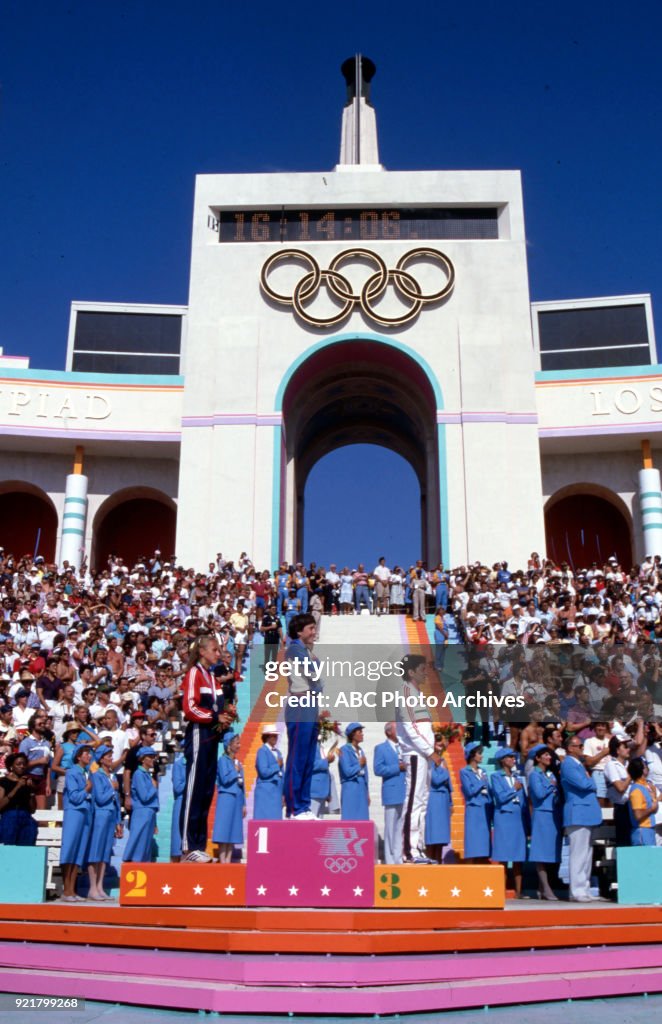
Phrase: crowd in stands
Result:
[92,665]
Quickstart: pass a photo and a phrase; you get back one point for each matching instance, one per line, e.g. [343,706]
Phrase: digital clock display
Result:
[374,224]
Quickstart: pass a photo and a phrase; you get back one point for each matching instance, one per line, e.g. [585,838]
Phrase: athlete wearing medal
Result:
[203,708]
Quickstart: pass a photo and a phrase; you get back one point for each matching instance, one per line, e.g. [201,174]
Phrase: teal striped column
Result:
[72,545]
[650,500]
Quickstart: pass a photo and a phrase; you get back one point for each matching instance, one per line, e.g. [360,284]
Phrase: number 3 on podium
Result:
[139,881]
[392,892]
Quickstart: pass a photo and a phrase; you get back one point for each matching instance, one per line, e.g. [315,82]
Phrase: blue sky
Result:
[109,109]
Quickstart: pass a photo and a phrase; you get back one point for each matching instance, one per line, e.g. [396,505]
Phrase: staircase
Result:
[379,637]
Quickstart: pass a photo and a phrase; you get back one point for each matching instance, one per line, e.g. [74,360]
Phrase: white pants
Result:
[394,820]
[416,802]
[581,860]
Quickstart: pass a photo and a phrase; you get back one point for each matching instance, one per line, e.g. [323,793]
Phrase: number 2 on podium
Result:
[139,880]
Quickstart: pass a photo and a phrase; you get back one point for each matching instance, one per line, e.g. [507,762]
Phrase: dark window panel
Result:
[370,224]
[639,356]
[128,332]
[603,326]
[115,362]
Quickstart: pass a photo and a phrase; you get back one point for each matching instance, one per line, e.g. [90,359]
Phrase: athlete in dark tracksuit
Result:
[202,704]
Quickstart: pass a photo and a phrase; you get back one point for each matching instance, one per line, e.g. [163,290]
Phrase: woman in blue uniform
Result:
[477,807]
[643,804]
[353,767]
[76,822]
[547,819]
[440,806]
[145,804]
[230,800]
[106,821]
[17,804]
[320,784]
[509,798]
[178,787]
[268,801]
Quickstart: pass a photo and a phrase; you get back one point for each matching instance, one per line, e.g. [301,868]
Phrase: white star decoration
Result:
[198,890]
[229,890]
[455,891]
[422,891]
[358,891]
[294,891]
[325,891]
[262,890]
[488,891]
[166,890]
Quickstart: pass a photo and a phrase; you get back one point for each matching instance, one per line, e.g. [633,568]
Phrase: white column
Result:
[650,500]
[72,545]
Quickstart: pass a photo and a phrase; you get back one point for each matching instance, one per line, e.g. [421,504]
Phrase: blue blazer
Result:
[507,799]
[581,805]
[386,764]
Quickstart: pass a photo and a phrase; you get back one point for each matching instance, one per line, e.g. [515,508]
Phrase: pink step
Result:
[336,971]
[210,996]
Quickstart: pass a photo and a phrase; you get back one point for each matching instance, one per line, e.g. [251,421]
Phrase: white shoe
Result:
[305,816]
[197,857]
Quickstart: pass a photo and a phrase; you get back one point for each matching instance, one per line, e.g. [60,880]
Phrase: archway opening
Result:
[362,501]
[583,528]
[366,393]
[131,525]
[28,521]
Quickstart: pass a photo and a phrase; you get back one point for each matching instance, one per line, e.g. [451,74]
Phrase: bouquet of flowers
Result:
[328,726]
[449,730]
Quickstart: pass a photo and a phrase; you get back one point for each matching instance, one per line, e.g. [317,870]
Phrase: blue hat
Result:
[536,750]
[469,749]
[102,751]
[146,752]
[352,727]
[228,738]
[504,752]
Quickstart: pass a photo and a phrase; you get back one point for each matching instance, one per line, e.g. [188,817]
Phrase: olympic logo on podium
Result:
[404,282]
[340,865]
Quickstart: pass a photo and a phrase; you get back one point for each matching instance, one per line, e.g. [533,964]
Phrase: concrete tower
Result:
[358,136]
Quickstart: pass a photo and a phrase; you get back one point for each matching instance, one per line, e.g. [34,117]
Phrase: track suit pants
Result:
[201,752]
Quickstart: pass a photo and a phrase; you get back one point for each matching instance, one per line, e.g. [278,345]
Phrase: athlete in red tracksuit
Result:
[203,710]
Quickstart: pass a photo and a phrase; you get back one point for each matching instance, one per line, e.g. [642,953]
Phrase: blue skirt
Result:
[268,800]
[17,828]
[76,828]
[229,819]
[175,828]
[546,837]
[438,819]
[477,831]
[141,836]
[104,822]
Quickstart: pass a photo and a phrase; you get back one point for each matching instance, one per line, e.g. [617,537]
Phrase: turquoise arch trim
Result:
[78,377]
[358,336]
[603,373]
[441,430]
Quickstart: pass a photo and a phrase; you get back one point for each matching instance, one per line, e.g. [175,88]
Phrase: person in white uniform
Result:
[416,738]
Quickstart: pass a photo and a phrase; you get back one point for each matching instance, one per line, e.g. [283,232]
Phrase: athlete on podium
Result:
[416,739]
[301,717]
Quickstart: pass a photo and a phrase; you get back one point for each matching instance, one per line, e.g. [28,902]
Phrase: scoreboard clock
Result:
[369,224]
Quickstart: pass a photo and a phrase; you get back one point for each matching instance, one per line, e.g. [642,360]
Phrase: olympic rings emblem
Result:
[403,281]
[340,865]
